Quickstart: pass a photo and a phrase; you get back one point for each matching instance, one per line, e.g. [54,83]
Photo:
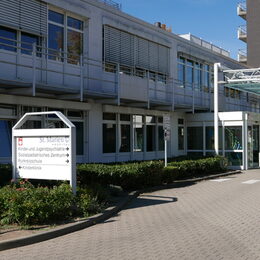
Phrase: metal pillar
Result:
[216,142]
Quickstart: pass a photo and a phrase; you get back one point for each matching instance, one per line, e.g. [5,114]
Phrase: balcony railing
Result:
[112,3]
[242,55]
[242,33]
[205,44]
[242,10]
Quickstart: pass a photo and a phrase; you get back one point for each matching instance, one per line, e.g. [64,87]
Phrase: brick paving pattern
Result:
[206,220]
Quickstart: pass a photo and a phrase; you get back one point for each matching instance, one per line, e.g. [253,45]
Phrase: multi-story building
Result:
[250,32]
[114,76]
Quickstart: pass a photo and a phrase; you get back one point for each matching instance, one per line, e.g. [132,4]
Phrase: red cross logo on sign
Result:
[20,141]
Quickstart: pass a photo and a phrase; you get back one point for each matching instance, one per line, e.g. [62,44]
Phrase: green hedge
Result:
[201,167]
[128,176]
[132,176]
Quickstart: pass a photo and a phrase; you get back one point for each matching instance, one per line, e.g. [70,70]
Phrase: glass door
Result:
[253,146]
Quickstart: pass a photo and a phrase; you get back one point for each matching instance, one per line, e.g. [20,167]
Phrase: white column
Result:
[216,142]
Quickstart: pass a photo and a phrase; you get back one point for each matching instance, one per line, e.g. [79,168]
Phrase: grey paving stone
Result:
[207,220]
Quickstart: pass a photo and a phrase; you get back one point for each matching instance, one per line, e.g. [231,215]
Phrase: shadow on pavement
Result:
[148,200]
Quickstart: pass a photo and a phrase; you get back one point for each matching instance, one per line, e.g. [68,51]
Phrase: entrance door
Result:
[253,146]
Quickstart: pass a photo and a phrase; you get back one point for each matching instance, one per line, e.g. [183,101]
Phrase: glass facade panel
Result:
[181,138]
[56,17]
[109,116]
[75,46]
[234,159]
[79,137]
[181,74]
[195,138]
[27,43]
[75,23]
[210,138]
[124,117]
[124,138]
[109,138]
[11,36]
[233,137]
[160,138]
[150,138]
[56,42]
[6,138]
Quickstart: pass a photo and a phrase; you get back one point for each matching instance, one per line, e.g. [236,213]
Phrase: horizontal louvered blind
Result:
[127,49]
[27,15]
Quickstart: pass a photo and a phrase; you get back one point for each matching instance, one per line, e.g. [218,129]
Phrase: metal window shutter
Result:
[126,49]
[27,15]
[10,13]
[112,44]
[142,53]
[33,16]
[163,59]
[153,56]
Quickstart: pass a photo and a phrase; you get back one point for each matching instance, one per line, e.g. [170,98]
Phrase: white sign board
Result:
[47,154]
[37,157]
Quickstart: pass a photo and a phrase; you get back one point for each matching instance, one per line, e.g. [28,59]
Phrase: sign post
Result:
[47,154]
[167,135]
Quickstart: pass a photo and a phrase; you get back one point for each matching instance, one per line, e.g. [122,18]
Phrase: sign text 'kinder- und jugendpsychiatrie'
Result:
[44,157]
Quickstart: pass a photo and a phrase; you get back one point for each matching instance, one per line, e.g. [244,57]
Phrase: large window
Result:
[150,134]
[8,39]
[109,133]
[125,134]
[233,137]
[138,133]
[27,41]
[181,134]
[194,74]
[65,36]
[195,138]
[6,138]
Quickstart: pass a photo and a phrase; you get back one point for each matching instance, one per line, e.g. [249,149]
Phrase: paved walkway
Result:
[217,219]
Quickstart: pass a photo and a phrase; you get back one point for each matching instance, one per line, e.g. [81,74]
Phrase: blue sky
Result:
[215,21]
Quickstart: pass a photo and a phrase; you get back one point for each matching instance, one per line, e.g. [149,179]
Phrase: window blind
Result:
[25,15]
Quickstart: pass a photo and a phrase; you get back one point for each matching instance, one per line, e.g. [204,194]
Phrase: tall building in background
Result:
[250,32]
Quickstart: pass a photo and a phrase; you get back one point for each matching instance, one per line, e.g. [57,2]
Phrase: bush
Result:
[170,174]
[201,167]
[129,176]
[26,204]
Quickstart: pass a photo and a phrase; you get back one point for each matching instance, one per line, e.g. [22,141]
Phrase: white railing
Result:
[112,3]
[206,44]
[242,30]
[242,6]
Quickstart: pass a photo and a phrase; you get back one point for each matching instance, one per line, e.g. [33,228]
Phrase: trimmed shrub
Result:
[129,176]
[201,167]
[170,174]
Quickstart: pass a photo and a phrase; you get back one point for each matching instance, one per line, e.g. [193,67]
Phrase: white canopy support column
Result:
[216,141]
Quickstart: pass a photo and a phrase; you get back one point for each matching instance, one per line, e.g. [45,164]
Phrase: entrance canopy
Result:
[247,80]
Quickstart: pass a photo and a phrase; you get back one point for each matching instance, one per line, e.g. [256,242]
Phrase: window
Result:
[181,134]
[189,74]
[109,133]
[27,41]
[197,76]
[195,138]
[150,134]
[57,43]
[6,138]
[125,133]
[181,72]
[138,133]
[233,138]
[79,137]
[8,39]
[160,138]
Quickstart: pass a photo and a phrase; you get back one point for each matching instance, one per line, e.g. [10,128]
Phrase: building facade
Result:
[114,76]
[250,32]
